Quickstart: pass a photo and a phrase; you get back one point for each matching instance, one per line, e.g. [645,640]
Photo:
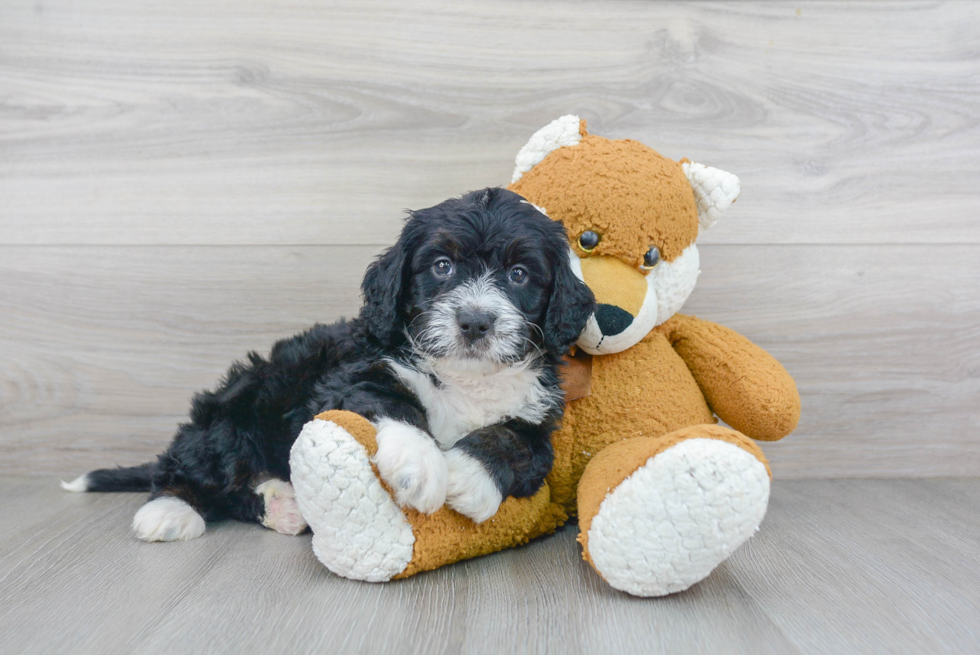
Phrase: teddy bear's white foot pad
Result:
[358,531]
[676,518]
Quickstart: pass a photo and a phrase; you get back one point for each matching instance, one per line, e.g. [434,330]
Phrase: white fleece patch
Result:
[676,518]
[539,208]
[78,485]
[674,281]
[442,336]
[714,191]
[576,263]
[558,133]
[668,287]
[411,462]
[472,492]
[358,531]
[167,519]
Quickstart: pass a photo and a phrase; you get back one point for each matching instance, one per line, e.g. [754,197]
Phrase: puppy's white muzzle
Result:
[476,320]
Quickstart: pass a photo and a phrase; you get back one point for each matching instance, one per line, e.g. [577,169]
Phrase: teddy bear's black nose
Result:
[612,320]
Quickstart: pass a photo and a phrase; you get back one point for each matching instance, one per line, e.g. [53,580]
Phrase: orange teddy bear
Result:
[662,493]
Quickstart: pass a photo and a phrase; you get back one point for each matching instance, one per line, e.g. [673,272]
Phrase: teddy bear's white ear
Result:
[714,190]
[560,132]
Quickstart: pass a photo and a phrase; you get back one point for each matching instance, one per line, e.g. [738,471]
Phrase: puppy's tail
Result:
[133,478]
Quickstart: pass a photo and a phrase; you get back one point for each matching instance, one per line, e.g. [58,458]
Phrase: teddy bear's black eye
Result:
[652,258]
[443,267]
[588,240]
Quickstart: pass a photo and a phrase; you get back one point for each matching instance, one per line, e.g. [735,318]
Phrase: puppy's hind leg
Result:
[172,518]
[279,509]
[167,518]
[271,503]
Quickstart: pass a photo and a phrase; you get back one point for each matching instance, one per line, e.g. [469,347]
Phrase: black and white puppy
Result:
[454,358]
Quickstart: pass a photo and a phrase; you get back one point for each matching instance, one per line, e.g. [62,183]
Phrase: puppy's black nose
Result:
[474,323]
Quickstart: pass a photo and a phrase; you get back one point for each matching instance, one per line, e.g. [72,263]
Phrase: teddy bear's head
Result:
[632,218]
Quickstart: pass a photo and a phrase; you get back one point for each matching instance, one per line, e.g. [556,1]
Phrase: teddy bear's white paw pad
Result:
[167,519]
[471,490]
[281,510]
[358,530]
[411,462]
[685,511]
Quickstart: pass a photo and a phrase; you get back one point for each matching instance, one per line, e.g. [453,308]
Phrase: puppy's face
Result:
[485,277]
[479,287]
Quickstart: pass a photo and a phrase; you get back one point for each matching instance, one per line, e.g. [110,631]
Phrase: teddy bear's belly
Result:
[644,391]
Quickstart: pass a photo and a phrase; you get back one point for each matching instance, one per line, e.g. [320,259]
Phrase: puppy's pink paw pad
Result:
[281,511]
[282,515]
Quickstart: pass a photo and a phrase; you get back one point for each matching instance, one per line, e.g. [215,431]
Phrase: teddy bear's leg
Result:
[360,532]
[658,514]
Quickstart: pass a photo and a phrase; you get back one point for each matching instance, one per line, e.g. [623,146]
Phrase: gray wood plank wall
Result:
[181,182]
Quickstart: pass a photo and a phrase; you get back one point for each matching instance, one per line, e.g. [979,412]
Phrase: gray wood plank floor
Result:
[839,566]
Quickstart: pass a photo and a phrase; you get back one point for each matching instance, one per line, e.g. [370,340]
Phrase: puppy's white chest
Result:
[459,403]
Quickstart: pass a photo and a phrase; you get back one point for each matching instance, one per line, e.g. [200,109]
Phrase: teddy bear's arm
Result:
[743,384]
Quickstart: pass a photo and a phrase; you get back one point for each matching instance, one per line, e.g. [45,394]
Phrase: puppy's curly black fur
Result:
[240,433]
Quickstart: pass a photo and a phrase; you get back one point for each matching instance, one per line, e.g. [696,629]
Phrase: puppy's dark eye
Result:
[517,275]
[588,240]
[651,258]
[443,267]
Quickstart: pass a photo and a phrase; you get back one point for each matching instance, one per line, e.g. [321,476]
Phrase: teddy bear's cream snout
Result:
[632,302]
[620,291]
[626,304]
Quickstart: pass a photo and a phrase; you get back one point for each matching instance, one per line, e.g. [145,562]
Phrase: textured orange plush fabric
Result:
[615,282]
[646,390]
[742,383]
[626,192]
[447,536]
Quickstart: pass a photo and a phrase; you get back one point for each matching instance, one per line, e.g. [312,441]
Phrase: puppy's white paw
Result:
[167,519]
[411,462]
[281,511]
[471,491]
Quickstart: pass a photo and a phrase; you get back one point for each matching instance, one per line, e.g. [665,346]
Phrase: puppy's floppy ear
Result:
[382,292]
[569,308]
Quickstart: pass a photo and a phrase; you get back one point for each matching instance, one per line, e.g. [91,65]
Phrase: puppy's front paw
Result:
[411,462]
[471,492]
